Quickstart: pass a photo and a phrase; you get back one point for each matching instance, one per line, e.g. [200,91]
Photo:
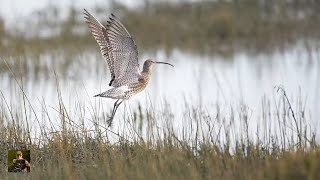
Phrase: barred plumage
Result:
[117,47]
[121,53]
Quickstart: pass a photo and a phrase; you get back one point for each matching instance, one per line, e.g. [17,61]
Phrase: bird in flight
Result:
[121,53]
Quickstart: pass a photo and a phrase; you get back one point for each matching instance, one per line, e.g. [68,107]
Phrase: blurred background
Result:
[229,56]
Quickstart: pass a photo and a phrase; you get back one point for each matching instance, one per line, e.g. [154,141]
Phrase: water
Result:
[198,81]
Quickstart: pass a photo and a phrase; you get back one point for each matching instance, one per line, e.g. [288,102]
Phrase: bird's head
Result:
[147,65]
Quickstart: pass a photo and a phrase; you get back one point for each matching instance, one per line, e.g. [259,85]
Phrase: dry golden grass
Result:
[71,151]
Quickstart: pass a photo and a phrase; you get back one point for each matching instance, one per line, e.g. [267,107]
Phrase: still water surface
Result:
[199,81]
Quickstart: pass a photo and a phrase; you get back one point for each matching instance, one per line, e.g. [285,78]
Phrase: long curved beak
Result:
[164,63]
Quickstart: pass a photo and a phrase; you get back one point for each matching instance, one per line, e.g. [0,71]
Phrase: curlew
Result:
[121,53]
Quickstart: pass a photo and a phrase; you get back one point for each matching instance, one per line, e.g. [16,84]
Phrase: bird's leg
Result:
[115,107]
[112,113]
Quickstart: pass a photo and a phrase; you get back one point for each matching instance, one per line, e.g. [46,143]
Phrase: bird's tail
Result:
[115,93]
[104,94]
[99,95]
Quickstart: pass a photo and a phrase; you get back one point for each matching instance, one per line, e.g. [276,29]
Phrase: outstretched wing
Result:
[117,47]
[100,34]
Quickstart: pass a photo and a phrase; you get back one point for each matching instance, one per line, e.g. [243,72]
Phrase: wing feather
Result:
[117,47]
[99,33]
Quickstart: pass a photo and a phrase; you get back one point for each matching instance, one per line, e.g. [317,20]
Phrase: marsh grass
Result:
[208,144]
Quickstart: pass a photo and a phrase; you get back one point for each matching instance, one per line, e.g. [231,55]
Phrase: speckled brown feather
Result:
[117,47]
